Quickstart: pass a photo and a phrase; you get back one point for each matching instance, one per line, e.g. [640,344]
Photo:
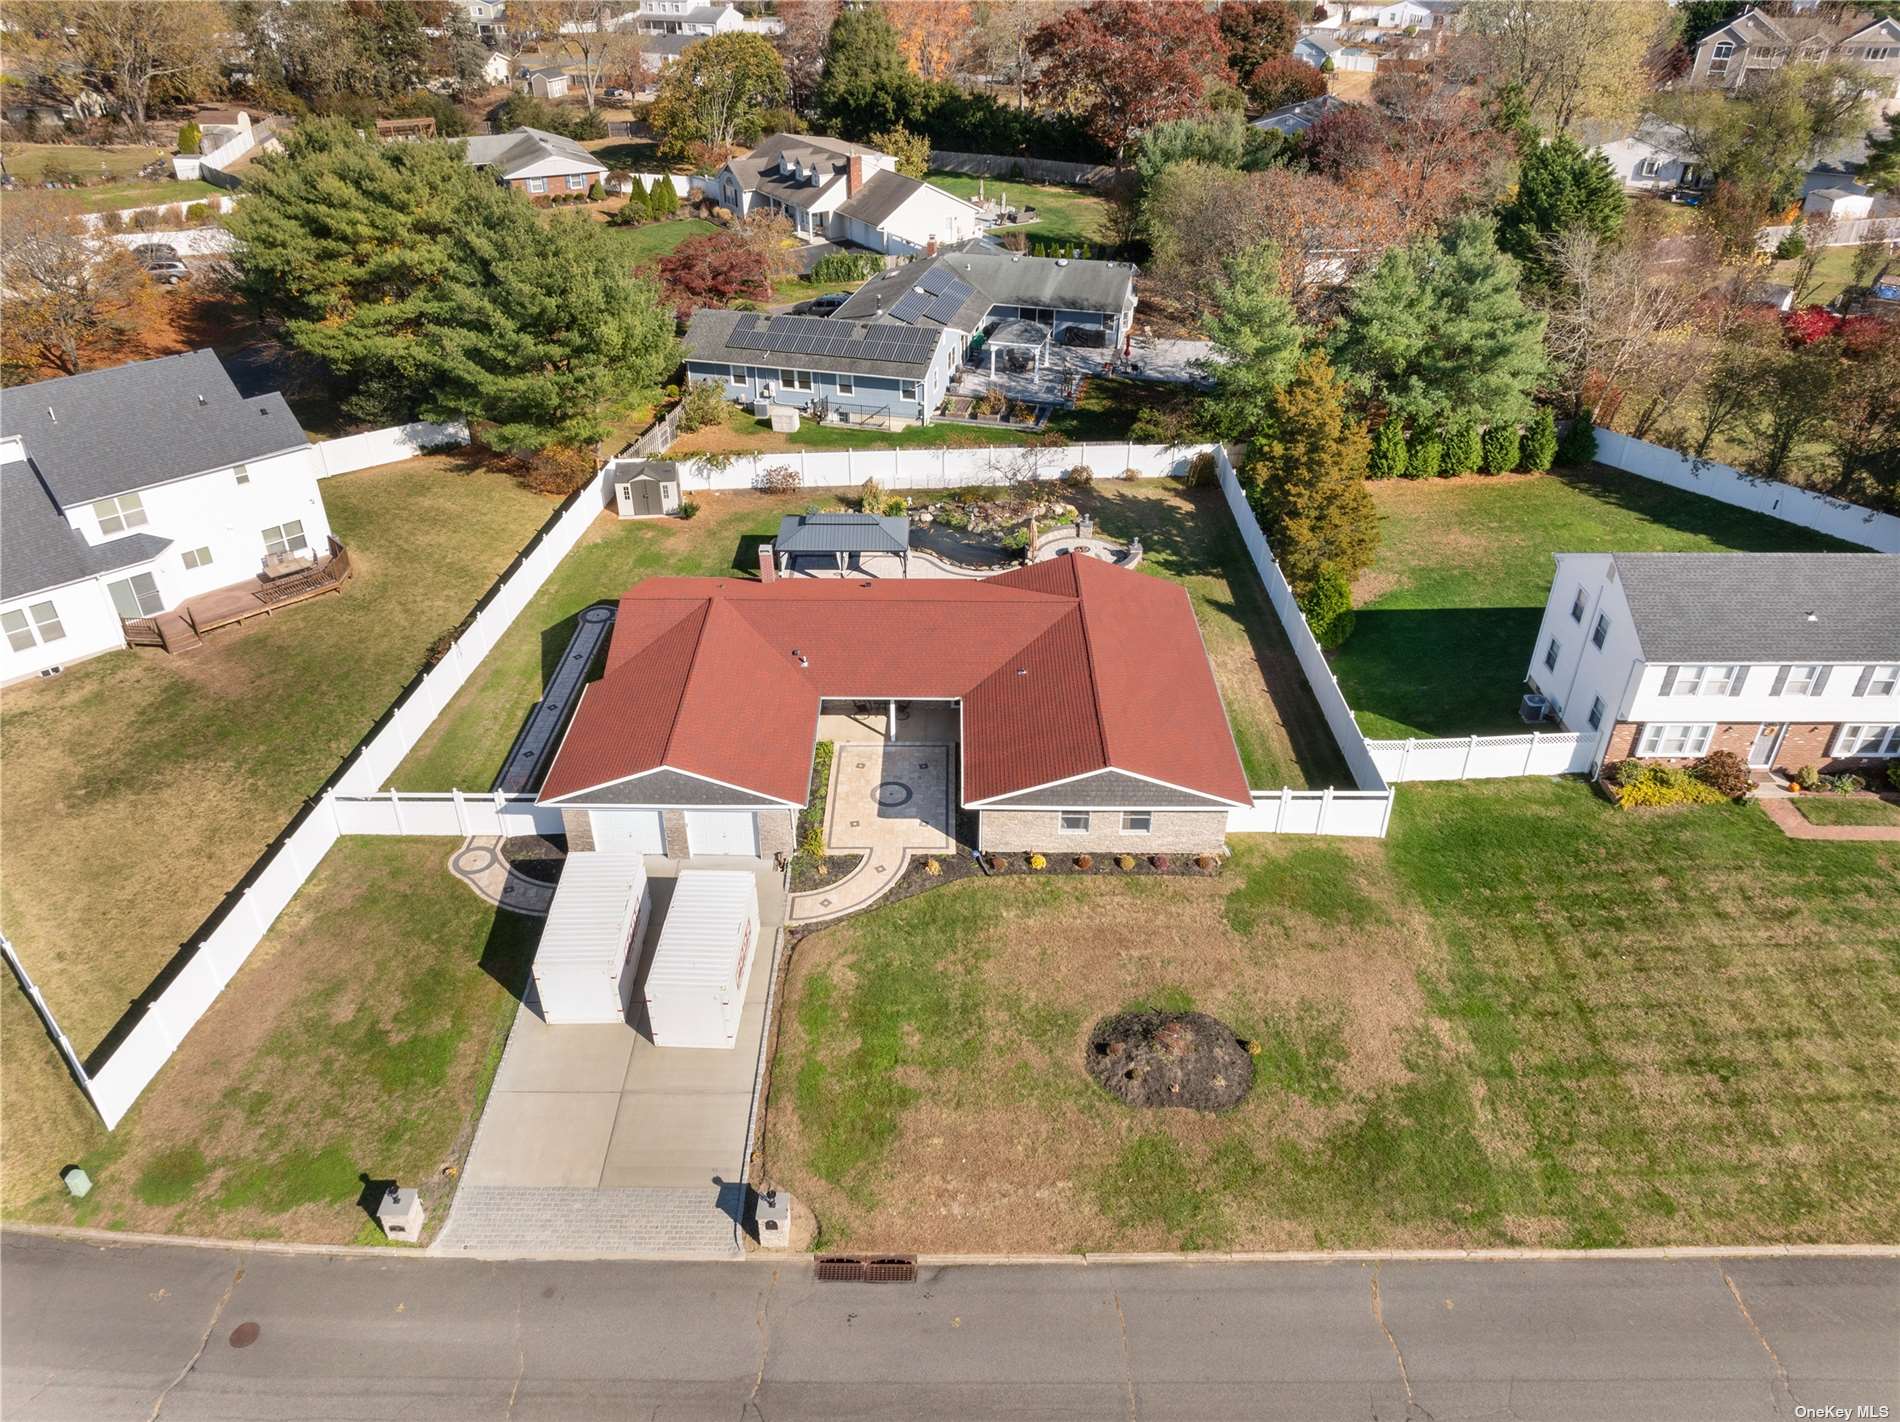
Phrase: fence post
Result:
[1325,809]
[461,812]
[1286,799]
[395,802]
[1405,759]
[1471,749]
[1530,752]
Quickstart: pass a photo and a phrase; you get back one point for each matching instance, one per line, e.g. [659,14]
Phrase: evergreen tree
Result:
[1540,445]
[467,55]
[1560,186]
[1426,455]
[1881,171]
[1253,325]
[1501,446]
[662,201]
[1579,443]
[1439,328]
[1464,450]
[1389,454]
[1327,608]
[1305,480]
[868,84]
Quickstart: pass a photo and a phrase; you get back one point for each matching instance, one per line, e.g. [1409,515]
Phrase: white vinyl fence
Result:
[374,447]
[1835,517]
[900,469]
[1485,757]
[1360,813]
[1851,232]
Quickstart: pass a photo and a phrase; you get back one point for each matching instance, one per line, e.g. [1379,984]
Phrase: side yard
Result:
[1463,1040]
[1063,213]
[355,1046]
[1450,607]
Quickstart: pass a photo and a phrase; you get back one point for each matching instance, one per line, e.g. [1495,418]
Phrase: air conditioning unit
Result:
[1533,708]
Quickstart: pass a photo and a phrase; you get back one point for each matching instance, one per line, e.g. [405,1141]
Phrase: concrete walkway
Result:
[1794,824]
[892,801]
[595,1143]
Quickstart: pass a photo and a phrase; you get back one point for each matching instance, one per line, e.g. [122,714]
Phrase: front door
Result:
[1761,754]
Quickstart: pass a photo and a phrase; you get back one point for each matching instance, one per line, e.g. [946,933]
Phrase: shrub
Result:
[998,863]
[990,407]
[596,192]
[705,404]
[845,267]
[1388,459]
[1021,412]
[628,214]
[1579,444]
[1125,861]
[1080,477]
[1844,784]
[1540,444]
[1085,861]
[662,201]
[190,137]
[1130,475]
[778,479]
[111,222]
[1463,448]
[1791,246]
[1501,446]
[1328,608]
[555,470]
[1037,861]
[198,212]
[1807,777]
[1893,775]
[689,508]
[1204,862]
[933,868]
[1161,861]
[1203,470]
[870,496]
[1723,771]
[1016,540]
[896,506]
[1653,786]
[1427,454]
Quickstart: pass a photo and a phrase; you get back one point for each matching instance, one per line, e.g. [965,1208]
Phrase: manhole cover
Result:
[893,793]
[244,1335]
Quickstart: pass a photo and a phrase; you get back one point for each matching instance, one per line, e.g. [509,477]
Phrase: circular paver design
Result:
[892,793]
[596,614]
[478,860]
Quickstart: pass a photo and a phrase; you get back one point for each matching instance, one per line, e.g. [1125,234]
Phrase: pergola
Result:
[841,536]
[1018,334]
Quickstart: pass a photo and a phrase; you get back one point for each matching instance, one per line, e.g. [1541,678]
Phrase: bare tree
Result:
[1619,308]
[801,44]
[1816,234]
[124,49]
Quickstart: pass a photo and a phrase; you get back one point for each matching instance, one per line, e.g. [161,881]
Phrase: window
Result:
[1596,712]
[847,386]
[45,618]
[1577,607]
[117,515]
[1650,167]
[1801,681]
[1675,740]
[1702,681]
[1138,821]
[537,185]
[908,389]
[1552,652]
[242,472]
[1075,822]
[136,596]
[795,379]
[1602,632]
[286,538]
[1868,740]
[577,182]
[721,373]
[1881,681]
[197,558]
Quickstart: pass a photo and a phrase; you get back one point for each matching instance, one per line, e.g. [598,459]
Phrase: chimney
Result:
[854,175]
[930,247]
[768,567]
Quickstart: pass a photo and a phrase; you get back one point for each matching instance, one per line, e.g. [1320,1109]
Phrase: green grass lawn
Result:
[1526,1019]
[1847,810]
[633,155]
[1450,607]
[118,164]
[1832,275]
[356,1044]
[640,245]
[139,787]
[1069,214]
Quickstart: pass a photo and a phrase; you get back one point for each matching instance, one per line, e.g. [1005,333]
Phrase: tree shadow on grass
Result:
[1688,512]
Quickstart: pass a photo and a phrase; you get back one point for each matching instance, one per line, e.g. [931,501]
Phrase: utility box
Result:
[590,949]
[696,984]
[785,419]
[774,1219]
[400,1214]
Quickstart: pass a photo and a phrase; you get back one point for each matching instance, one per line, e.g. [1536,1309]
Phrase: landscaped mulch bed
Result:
[536,857]
[805,875]
[1161,1059]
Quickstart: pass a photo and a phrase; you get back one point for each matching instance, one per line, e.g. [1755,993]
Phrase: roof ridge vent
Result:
[50,415]
[201,398]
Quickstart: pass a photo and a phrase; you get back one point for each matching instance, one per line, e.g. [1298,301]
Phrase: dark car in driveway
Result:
[826,304]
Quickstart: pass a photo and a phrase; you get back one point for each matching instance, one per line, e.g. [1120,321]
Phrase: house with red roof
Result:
[1086,714]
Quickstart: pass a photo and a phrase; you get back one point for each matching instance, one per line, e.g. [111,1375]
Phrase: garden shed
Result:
[590,949]
[647,490]
[696,985]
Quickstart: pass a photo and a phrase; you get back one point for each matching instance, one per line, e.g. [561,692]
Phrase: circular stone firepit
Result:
[1170,1059]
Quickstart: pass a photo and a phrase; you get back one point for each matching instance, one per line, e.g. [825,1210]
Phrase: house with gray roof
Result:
[534,162]
[1785,659]
[831,190]
[878,373]
[127,492]
[972,292]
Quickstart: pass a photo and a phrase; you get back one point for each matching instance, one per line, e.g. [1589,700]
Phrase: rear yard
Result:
[355,1045]
[1063,213]
[1449,609]
[1463,1041]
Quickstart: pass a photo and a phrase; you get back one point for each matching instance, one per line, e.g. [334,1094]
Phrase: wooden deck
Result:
[184,627]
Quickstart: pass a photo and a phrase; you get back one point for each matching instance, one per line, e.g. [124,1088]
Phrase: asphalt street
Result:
[169,1332]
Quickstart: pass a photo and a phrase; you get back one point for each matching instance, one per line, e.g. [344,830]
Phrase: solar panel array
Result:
[821,336]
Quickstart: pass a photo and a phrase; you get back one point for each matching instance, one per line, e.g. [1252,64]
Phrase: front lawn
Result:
[140,787]
[1450,607]
[1526,1019]
[355,1045]
[1847,810]
[1064,213]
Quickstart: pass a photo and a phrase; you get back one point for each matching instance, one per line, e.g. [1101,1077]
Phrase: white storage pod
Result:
[590,949]
[697,981]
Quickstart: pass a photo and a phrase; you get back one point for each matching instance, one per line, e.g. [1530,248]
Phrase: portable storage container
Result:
[590,948]
[696,984]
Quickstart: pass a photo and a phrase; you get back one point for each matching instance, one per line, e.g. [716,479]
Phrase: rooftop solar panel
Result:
[910,306]
[935,280]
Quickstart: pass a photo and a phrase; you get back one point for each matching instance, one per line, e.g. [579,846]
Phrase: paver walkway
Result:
[891,800]
[478,863]
[1796,825]
[529,755]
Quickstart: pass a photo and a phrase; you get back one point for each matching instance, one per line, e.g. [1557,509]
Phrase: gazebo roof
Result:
[842,533]
[1018,332]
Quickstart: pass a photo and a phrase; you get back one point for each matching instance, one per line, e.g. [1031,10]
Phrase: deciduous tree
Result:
[128,52]
[933,35]
[714,270]
[1257,32]
[1127,66]
[911,150]
[71,301]
[801,44]
[1574,63]
[1285,80]
[716,88]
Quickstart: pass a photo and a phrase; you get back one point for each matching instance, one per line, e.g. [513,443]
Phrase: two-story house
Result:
[1786,659]
[1757,42]
[126,492]
[832,190]
[686,17]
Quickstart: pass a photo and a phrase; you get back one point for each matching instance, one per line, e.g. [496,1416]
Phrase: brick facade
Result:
[1175,832]
[1806,743]
[778,834]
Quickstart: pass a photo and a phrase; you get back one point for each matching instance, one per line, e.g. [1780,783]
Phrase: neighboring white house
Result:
[829,189]
[125,492]
[535,162]
[497,68]
[686,17]
[1786,659]
[1318,46]
[1649,158]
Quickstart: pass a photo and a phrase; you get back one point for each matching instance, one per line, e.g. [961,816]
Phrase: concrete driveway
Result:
[596,1142]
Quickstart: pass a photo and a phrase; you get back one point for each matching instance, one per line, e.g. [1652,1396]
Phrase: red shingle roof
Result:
[1064,668]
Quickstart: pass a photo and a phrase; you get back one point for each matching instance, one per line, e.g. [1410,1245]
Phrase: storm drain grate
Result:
[867,1269]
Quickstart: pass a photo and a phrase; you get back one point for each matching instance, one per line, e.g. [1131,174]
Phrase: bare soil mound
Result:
[1170,1059]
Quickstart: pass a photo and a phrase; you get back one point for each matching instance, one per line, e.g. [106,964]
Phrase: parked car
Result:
[168,273]
[826,304]
[149,252]
[611,93]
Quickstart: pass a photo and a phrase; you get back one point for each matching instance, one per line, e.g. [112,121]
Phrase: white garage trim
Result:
[627,831]
[722,832]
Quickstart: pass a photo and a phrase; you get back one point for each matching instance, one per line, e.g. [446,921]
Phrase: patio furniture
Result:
[286,564]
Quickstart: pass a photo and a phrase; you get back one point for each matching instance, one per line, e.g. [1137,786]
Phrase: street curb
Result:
[1676,1253]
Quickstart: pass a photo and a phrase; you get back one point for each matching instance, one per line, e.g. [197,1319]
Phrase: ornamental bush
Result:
[1464,449]
[1893,775]
[1037,861]
[1389,455]
[1655,786]
[1579,444]
[1426,456]
[1724,772]
[1328,608]
[705,404]
[1501,444]
[1540,444]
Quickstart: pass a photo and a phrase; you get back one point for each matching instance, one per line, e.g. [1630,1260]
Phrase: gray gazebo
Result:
[1018,334]
[842,537]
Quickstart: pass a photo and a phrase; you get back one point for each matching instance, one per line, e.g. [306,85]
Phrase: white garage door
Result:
[722,832]
[628,831]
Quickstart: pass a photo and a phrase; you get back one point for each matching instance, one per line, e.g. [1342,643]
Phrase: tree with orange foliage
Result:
[73,301]
[933,34]
[1126,66]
